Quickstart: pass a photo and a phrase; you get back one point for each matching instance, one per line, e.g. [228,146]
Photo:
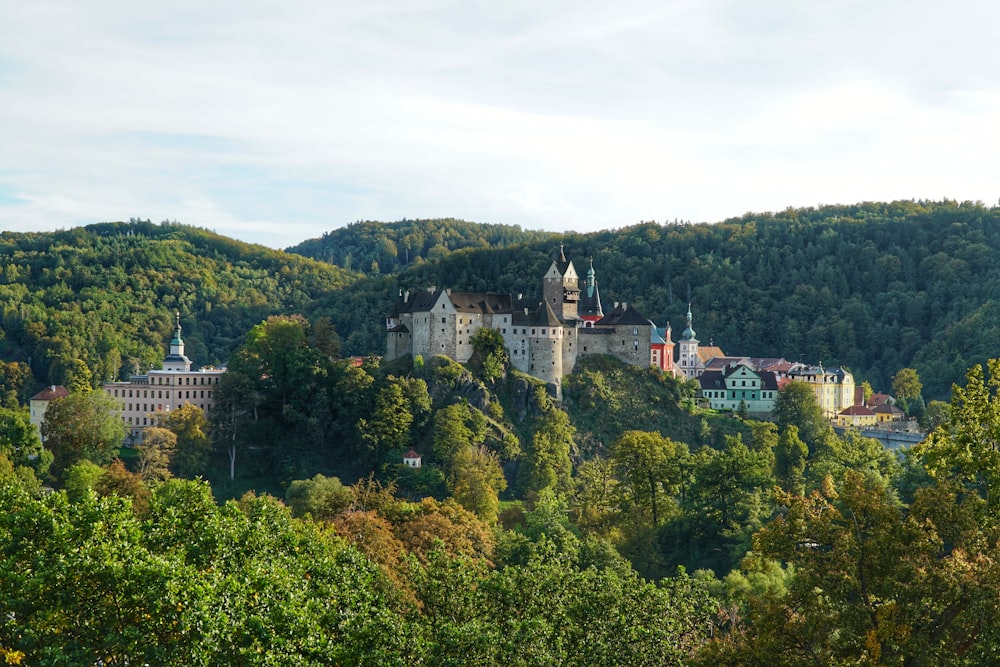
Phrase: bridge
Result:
[890,439]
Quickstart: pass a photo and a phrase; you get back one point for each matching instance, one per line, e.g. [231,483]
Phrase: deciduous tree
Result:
[82,426]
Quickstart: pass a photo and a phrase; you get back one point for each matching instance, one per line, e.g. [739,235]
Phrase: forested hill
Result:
[381,248]
[91,300]
[875,287]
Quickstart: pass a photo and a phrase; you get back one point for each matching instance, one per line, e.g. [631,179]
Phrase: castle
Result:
[543,338]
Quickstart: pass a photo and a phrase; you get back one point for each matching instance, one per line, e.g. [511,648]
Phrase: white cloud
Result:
[276,121]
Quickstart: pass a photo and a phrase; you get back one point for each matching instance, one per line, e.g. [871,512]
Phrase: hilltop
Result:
[873,287]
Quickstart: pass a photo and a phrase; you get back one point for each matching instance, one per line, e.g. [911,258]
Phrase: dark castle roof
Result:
[464,302]
[542,316]
[623,315]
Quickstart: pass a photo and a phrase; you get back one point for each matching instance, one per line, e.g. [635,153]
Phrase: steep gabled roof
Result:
[545,316]
[541,316]
[713,379]
[623,315]
[420,301]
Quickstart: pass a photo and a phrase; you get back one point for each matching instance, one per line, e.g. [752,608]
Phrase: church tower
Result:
[561,289]
[689,362]
[176,361]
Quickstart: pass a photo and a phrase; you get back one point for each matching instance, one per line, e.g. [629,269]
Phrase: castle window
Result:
[532,332]
[442,320]
[635,331]
[504,331]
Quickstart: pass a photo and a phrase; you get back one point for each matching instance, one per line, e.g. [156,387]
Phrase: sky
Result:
[276,121]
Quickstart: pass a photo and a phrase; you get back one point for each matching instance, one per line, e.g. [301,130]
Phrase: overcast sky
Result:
[275,121]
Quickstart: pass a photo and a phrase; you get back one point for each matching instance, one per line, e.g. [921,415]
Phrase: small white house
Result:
[411,459]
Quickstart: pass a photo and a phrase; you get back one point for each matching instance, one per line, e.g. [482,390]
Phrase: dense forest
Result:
[383,248]
[95,303]
[873,287]
[624,525]
[659,535]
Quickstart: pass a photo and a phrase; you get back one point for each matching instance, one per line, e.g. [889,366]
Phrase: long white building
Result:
[142,397]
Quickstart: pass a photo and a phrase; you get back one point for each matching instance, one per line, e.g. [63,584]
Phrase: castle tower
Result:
[560,287]
[589,309]
[689,362]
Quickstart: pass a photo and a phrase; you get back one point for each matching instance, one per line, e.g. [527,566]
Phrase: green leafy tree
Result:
[15,381]
[797,406]
[476,480]
[193,448]
[19,441]
[935,415]
[906,385]
[389,424]
[873,583]
[489,354]
[546,463]
[650,466]
[790,459]
[81,477]
[156,453]
[82,426]
[322,497]
[968,449]
[455,429]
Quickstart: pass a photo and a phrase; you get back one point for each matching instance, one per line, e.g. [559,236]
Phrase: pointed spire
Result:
[562,254]
[689,331]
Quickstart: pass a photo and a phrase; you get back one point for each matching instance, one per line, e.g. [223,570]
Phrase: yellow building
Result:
[142,397]
[833,387]
[857,416]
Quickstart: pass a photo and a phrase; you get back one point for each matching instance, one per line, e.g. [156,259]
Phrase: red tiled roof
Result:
[857,411]
[412,454]
[51,392]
